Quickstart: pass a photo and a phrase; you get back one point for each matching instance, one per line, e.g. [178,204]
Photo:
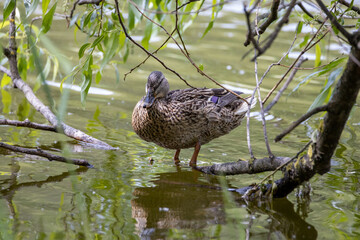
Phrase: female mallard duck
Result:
[185,118]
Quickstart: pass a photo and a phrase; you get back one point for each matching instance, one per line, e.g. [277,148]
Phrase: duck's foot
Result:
[176,157]
[193,160]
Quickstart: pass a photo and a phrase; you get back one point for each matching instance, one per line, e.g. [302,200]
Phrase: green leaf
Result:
[86,20]
[306,80]
[6,80]
[47,20]
[111,47]
[131,18]
[87,79]
[22,65]
[98,77]
[45,4]
[305,41]
[201,67]
[325,94]
[299,27]
[122,39]
[147,35]
[74,19]
[117,74]
[6,100]
[317,55]
[31,8]
[97,41]
[209,27]
[55,68]
[8,8]
[82,49]
[336,31]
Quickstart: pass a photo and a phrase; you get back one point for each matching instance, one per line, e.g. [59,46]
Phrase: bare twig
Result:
[49,156]
[307,12]
[354,8]
[184,52]
[96,2]
[27,124]
[286,84]
[250,34]
[5,70]
[271,155]
[190,12]
[10,53]
[334,21]
[142,48]
[277,29]
[300,120]
[297,59]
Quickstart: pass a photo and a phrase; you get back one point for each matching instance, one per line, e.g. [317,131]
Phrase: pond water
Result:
[127,197]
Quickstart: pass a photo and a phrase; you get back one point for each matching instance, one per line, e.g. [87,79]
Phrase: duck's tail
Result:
[244,106]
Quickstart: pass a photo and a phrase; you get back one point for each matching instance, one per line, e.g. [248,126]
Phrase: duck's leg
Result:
[176,157]
[192,162]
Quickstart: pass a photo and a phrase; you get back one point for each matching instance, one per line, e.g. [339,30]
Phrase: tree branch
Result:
[354,8]
[242,167]
[27,124]
[10,53]
[5,70]
[142,48]
[300,120]
[334,21]
[286,84]
[49,156]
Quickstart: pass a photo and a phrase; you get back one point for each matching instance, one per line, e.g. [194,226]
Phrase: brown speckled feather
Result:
[186,116]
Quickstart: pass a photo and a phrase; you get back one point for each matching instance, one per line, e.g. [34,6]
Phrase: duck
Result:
[185,118]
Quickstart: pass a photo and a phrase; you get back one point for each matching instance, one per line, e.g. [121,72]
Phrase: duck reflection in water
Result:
[187,201]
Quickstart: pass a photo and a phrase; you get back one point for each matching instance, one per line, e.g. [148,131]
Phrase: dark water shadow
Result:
[188,200]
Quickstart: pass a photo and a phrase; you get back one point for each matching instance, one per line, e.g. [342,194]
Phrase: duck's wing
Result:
[219,96]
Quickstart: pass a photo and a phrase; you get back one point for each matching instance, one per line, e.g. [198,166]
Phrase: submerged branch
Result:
[49,156]
[28,124]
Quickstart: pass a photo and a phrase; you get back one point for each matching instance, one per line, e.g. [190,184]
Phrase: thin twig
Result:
[307,12]
[271,155]
[190,12]
[286,163]
[5,70]
[271,18]
[185,53]
[141,47]
[354,8]
[148,56]
[256,187]
[286,84]
[49,156]
[28,124]
[297,59]
[300,120]
[334,21]
[96,2]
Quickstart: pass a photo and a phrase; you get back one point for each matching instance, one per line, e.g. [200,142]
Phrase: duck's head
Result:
[156,87]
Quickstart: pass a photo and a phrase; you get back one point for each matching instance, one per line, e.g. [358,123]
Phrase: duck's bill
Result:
[149,100]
